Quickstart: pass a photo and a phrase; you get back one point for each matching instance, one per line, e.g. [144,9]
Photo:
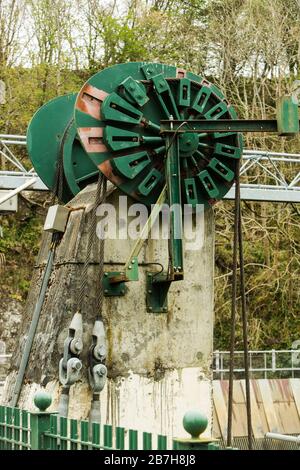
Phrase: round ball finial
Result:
[195,423]
[42,400]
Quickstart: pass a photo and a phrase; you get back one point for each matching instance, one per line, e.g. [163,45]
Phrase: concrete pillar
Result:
[159,364]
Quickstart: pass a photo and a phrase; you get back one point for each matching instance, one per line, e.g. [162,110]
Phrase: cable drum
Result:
[118,113]
[116,129]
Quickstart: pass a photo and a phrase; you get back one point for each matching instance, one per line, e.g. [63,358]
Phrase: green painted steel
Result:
[42,400]
[120,438]
[147,441]
[119,124]
[51,136]
[133,439]
[41,430]
[73,434]
[195,423]
[174,192]
[288,115]
[118,113]
[107,436]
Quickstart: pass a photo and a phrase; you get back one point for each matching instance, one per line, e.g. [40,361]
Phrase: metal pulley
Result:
[70,365]
[117,130]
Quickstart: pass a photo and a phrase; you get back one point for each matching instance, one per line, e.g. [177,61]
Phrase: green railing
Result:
[41,430]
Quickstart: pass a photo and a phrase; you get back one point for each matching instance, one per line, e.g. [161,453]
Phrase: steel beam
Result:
[14,179]
[266,194]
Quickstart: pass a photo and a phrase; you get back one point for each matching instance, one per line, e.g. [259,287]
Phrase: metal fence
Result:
[267,364]
[21,430]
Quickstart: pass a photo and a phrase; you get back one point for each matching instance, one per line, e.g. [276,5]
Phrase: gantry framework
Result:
[265,176]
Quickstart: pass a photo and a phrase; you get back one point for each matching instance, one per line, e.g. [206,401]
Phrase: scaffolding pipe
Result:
[283,437]
[32,329]
[18,190]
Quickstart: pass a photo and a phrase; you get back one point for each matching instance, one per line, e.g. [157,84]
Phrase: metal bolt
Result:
[76,366]
[133,261]
[129,267]
[106,274]
[150,309]
[105,291]
[77,345]
[123,291]
[149,291]
[165,309]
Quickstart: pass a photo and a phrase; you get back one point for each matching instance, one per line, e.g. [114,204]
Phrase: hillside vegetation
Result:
[248,48]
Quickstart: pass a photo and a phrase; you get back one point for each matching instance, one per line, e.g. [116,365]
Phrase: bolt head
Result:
[105,291]
[105,274]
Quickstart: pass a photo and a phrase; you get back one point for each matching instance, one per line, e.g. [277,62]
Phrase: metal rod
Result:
[146,229]
[233,307]
[245,330]
[220,125]
[270,154]
[32,328]
[174,199]
[12,136]
[18,190]
[13,142]
[283,437]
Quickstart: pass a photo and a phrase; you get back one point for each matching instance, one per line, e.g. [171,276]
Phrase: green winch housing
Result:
[114,125]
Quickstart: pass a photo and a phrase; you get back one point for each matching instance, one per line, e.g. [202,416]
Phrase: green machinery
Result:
[157,132]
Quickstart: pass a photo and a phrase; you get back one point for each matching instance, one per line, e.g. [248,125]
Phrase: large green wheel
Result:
[52,136]
[117,116]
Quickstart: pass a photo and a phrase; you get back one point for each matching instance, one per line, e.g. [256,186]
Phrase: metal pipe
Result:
[270,154]
[21,174]
[13,142]
[282,437]
[18,190]
[13,136]
[32,328]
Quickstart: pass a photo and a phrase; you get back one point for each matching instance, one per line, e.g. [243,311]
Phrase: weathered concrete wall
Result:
[159,364]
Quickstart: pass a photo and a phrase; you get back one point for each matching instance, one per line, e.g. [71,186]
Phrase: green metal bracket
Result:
[113,284]
[132,269]
[287,115]
[157,285]
[174,199]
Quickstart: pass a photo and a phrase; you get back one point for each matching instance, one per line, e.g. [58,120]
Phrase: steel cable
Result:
[238,249]
[233,304]
[99,198]
[245,331]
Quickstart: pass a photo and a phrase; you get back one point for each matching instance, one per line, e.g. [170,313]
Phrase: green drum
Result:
[116,130]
